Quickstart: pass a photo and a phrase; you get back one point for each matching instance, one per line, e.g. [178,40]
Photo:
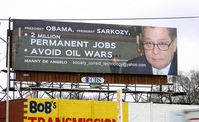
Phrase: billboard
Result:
[88,48]
[52,110]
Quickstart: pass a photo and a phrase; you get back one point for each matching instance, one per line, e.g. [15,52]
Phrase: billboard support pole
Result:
[8,73]
[119,105]
[8,81]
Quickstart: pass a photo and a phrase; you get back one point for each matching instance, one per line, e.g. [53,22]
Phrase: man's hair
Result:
[172,31]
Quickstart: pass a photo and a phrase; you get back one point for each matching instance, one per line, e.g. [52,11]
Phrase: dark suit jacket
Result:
[141,66]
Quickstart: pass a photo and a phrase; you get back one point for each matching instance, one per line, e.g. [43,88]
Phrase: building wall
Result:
[16,110]
[150,112]
[135,112]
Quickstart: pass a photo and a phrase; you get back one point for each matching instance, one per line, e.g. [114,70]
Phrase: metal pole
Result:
[8,73]
[8,80]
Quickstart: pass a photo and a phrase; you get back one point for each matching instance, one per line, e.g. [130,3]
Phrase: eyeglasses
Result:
[148,45]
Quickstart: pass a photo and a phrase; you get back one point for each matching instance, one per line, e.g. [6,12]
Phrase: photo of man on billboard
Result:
[159,45]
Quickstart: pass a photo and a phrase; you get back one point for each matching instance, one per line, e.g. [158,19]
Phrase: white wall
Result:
[149,112]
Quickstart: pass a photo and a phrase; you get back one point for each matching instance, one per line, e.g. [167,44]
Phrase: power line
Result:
[2,58]
[137,18]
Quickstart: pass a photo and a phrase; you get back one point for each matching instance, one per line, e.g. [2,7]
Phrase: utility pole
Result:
[119,105]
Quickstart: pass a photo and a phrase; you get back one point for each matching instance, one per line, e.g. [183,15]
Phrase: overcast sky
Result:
[188,29]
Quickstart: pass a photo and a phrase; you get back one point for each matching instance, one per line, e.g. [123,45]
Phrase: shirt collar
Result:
[164,71]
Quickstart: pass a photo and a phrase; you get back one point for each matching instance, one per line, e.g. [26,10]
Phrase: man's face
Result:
[156,57]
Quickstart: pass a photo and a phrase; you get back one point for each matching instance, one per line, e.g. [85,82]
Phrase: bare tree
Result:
[190,85]
[183,83]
